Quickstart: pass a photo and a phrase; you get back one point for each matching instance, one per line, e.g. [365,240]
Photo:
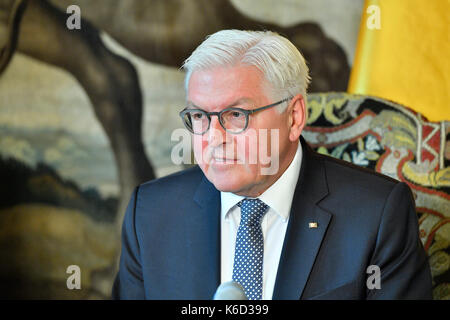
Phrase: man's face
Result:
[228,160]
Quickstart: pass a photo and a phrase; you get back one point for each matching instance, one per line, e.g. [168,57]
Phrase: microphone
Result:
[230,290]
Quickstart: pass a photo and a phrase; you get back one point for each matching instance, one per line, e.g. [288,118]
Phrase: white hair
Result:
[281,63]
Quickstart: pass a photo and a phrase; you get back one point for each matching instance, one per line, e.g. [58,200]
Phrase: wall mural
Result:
[86,115]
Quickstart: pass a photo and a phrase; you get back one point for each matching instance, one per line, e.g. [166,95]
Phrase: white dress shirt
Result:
[274,224]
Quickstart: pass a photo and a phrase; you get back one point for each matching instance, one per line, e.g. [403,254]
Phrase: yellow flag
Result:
[403,54]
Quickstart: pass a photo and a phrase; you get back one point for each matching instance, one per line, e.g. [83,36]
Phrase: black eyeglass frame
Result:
[218,114]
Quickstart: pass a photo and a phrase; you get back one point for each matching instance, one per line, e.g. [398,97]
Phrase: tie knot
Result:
[252,211]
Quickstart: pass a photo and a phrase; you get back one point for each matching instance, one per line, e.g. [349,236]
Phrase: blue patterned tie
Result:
[248,255]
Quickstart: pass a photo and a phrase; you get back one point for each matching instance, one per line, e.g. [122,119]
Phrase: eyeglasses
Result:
[233,120]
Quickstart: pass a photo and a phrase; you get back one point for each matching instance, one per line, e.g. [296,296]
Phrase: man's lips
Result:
[220,159]
[221,156]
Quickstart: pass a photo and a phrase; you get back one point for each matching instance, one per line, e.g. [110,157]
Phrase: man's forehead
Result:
[241,102]
[224,87]
[222,77]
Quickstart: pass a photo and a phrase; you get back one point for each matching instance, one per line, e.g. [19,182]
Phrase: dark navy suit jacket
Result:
[171,237]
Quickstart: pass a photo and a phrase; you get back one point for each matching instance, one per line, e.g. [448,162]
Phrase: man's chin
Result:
[230,180]
[227,185]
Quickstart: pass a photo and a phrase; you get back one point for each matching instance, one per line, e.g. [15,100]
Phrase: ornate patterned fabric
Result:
[398,142]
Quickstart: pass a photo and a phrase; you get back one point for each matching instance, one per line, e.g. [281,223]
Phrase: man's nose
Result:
[215,134]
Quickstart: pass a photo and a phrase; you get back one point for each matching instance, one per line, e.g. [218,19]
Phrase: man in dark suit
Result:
[262,208]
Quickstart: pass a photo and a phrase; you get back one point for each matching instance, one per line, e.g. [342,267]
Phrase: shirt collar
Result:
[285,185]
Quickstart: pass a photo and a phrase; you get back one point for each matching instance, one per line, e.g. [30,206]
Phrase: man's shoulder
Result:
[184,179]
[359,198]
[343,174]
[170,192]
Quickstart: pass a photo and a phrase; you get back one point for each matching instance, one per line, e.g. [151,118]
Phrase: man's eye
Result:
[197,116]
[236,114]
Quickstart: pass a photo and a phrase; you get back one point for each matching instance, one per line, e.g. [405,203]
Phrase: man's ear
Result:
[297,117]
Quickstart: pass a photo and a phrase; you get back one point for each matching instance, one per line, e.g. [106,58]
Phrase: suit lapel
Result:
[203,242]
[302,243]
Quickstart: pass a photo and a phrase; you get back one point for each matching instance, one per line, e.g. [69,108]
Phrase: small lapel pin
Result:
[312,225]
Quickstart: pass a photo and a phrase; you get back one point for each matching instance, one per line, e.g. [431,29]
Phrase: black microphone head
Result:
[230,290]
